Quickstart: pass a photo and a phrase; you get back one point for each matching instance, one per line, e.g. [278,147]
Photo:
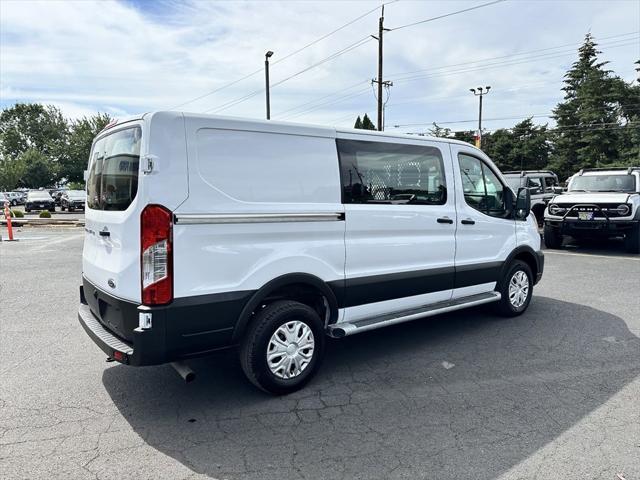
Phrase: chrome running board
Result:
[340,330]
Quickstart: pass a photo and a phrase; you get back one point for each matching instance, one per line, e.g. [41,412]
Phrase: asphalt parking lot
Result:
[552,394]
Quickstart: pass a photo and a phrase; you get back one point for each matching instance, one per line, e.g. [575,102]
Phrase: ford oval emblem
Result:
[111,283]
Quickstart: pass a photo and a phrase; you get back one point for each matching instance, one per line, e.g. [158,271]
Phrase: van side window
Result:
[482,188]
[390,173]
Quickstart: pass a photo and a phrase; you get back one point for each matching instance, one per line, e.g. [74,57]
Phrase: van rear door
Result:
[111,255]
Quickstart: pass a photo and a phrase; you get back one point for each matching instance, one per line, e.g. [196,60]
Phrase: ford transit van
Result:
[207,232]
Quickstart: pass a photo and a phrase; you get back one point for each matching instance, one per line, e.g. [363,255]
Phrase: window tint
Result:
[534,184]
[394,174]
[482,188]
[113,174]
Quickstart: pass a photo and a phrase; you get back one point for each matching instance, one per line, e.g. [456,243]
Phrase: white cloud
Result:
[122,58]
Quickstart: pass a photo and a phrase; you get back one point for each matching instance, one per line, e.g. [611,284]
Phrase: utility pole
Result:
[266,80]
[480,93]
[379,81]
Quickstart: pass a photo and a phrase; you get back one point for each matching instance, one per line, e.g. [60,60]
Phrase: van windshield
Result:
[113,170]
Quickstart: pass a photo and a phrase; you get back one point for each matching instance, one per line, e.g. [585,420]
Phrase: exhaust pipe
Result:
[184,371]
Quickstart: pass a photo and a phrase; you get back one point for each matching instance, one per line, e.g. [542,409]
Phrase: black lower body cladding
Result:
[193,326]
[187,327]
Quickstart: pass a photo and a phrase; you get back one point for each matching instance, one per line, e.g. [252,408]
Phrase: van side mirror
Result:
[523,203]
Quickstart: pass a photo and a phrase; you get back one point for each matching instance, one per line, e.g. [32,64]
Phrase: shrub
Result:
[45,214]
[11,213]
[17,213]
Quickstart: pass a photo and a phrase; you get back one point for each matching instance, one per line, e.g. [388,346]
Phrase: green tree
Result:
[367,124]
[358,123]
[11,173]
[38,170]
[438,131]
[30,125]
[74,162]
[588,119]
[524,147]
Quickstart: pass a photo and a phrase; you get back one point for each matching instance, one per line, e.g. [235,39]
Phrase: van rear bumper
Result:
[146,348]
[185,328]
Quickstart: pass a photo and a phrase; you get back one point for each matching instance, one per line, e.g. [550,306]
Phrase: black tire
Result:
[14,203]
[71,209]
[28,210]
[52,210]
[632,239]
[505,307]
[62,208]
[552,237]
[254,346]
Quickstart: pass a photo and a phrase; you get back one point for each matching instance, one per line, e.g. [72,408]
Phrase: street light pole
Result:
[481,92]
[266,81]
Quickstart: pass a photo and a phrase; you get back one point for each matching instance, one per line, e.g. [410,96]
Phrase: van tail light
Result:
[156,255]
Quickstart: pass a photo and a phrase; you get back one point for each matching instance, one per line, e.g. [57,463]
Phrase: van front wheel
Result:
[283,347]
[516,289]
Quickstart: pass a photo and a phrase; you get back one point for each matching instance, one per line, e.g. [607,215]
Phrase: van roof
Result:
[285,127]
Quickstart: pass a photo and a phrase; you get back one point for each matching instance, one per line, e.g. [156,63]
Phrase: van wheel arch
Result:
[523,253]
[301,287]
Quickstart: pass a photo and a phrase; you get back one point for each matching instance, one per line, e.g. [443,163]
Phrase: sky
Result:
[128,57]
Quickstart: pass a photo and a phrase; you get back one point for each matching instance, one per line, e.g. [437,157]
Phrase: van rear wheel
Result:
[516,289]
[283,347]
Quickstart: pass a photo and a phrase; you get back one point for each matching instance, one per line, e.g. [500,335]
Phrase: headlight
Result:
[623,210]
[555,209]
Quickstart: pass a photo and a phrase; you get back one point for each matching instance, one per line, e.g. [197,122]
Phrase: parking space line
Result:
[595,255]
[60,240]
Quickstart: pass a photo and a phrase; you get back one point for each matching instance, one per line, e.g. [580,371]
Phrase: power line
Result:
[478,67]
[323,37]
[448,15]
[334,55]
[516,54]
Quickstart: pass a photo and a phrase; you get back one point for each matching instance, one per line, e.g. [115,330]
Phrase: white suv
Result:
[207,232]
[598,203]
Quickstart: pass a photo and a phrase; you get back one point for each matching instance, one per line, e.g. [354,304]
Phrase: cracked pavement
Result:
[551,394]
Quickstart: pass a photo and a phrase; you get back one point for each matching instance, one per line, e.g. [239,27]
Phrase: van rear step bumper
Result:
[109,343]
[343,329]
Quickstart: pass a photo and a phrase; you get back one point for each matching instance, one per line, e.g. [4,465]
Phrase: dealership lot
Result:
[551,394]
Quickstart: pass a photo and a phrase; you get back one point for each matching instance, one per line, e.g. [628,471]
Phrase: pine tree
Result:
[358,123]
[367,124]
[586,134]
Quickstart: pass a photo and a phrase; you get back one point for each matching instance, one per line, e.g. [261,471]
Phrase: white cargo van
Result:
[207,232]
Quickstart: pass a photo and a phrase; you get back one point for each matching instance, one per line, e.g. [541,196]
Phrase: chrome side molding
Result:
[222,218]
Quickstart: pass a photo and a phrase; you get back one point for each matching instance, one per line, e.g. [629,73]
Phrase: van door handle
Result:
[467,221]
[104,233]
[444,220]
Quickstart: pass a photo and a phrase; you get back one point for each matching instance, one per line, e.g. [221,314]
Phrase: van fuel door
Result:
[149,164]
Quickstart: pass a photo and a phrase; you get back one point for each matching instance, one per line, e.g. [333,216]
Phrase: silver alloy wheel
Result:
[290,349]
[518,289]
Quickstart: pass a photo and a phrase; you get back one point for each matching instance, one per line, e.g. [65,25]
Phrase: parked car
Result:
[542,184]
[73,200]
[57,195]
[273,236]
[39,200]
[14,198]
[601,203]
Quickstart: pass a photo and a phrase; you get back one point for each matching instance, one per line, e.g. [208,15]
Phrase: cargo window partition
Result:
[390,173]
[113,176]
